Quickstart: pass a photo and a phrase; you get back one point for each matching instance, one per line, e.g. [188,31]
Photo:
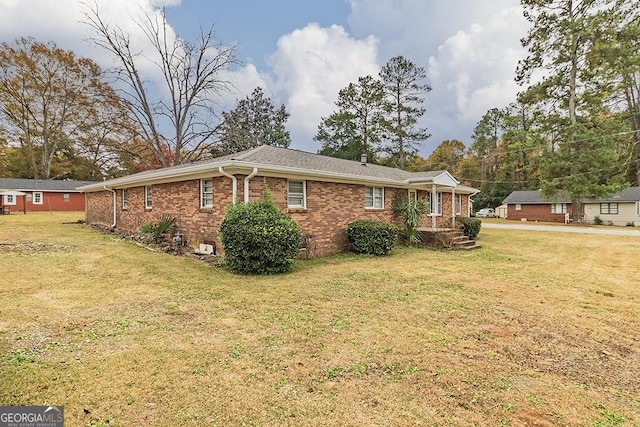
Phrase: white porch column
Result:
[434,206]
[453,207]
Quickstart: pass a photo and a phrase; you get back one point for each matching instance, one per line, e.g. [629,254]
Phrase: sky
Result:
[302,52]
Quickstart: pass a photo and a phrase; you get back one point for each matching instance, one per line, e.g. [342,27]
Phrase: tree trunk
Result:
[576,211]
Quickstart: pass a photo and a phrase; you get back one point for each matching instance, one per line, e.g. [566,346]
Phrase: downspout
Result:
[234,181]
[114,205]
[246,185]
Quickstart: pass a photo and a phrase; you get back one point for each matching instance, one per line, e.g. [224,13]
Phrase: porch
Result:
[446,238]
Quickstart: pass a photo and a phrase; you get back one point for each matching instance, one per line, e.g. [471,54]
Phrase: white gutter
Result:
[114,205]
[234,185]
[187,171]
[246,185]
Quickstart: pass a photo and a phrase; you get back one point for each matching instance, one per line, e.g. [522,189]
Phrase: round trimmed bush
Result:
[371,236]
[470,226]
[259,239]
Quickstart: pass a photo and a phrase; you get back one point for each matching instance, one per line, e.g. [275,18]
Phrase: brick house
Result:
[530,206]
[41,195]
[621,208]
[323,194]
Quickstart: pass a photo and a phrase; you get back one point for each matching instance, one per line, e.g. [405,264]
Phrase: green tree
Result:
[404,92]
[53,103]
[447,156]
[486,137]
[521,148]
[562,36]
[615,64]
[358,125]
[255,121]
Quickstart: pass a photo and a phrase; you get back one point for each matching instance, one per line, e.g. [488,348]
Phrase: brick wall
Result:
[330,207]
[539,212]
[50,202]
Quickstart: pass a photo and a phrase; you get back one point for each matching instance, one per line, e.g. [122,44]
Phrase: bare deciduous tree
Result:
[178,119]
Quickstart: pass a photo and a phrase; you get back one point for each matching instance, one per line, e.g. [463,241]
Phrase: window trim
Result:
[518,206]
[11,202]
[125,198]
[554,208]
[609,210]
[37,198]
[458,203]
[373,197]
[413,198]
[438,204]
[303,194]
[204,194]
[66,197]
[148,196]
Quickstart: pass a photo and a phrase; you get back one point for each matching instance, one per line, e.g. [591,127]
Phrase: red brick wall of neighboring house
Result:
[539,212]
[50,202]
[330,207]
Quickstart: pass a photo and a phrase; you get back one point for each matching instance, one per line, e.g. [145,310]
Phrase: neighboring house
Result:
[323,194]
[531,206]
[41,195]
[619,209]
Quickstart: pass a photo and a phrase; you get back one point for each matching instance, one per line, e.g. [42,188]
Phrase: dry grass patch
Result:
[534,329]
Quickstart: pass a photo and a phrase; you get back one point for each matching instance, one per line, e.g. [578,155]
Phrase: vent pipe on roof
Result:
[363,159]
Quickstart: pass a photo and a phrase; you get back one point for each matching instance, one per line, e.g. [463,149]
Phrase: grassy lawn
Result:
[534,329]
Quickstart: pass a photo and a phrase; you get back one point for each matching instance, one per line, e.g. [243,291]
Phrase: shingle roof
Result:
[276,156]
[21,184]
[631,194]
[291,161]
[290,158]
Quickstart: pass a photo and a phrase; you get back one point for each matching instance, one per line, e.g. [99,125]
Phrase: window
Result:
[413,196]
[206,193]
[518,207]
[65,197]
[296,194]
[125,198]
[609,208]
[148,196]
[37,198]
[435,204]
[558,208]
[9,199]
[373,198]
[458,204]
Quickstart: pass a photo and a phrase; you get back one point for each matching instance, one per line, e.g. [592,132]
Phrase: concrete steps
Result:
[462,242]
[447,238]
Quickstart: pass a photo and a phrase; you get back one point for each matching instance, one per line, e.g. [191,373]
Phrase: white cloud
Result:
[310,67]
[475,69]
[470,51]
[63,21]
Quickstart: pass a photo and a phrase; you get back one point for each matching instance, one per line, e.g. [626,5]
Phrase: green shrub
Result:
[166,225]
[470,226]
[259,239]
[371,236]
[597,220]
[412,212]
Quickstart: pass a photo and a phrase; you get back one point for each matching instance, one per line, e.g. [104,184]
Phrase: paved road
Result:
[617,231]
